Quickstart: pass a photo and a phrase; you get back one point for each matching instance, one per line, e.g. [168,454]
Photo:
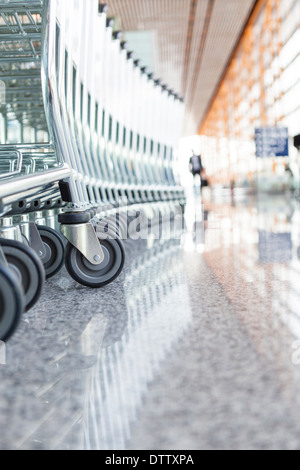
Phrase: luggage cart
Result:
[133,113]
[29,168]
[76,146]
[93,258]
[48,169]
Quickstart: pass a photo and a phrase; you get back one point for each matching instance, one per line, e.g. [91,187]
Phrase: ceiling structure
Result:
[194,41]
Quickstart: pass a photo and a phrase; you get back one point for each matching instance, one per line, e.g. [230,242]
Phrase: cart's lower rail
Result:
[32,183]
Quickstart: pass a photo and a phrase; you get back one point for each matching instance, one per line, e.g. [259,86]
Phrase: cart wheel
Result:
[11,303]
[82,271]
[27,266]
[53,261]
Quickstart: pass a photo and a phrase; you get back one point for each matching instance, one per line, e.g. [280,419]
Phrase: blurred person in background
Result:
[197,169]
[195,165]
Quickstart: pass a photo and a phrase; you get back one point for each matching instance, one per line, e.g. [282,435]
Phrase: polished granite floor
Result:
[196,346]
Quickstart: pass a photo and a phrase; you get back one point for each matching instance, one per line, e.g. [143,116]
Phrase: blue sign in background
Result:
[272,142]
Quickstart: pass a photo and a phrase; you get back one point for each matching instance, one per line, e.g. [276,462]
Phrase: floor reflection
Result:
[87,383]
[196,345]
[155,290]
[252,248]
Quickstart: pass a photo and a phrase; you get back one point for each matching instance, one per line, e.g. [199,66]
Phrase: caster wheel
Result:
[92,276]
[53,261]
[11,303]
[28,268]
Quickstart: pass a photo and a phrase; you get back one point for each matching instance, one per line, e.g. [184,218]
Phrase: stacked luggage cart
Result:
[87,142]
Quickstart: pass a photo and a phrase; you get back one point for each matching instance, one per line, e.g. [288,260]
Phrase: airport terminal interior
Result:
[149,225]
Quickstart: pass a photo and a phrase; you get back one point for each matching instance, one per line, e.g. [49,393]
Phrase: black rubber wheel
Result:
[88,275]
[11,303]
[27,267]
[53,261]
